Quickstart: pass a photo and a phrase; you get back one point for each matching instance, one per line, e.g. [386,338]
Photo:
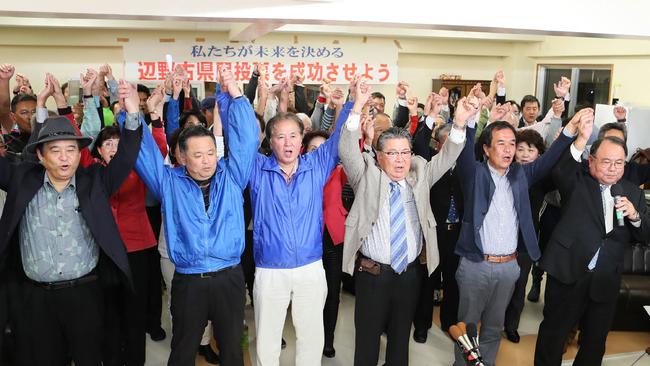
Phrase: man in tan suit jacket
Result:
[390,217]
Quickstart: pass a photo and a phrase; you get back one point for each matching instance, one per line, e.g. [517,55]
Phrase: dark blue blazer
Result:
[478,189]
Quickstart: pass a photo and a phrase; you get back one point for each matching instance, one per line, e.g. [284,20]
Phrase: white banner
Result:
[376,59]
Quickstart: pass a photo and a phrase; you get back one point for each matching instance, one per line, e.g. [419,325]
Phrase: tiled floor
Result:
[626,347]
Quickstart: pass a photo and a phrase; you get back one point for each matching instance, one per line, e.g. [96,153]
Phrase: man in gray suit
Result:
[385,229]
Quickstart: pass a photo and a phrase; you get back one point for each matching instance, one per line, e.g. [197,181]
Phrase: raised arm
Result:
[299,94]
[348,146]
[451,149]
[319,105]
[173,112]
[91,122]
[251,88]
[217,130]
[241,131]
[466,163]
[582,122]
[120,167]
[6,73]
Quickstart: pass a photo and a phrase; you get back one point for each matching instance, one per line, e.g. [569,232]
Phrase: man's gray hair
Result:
[446,128]
[393,133]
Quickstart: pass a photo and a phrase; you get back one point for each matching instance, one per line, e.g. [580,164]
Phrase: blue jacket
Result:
[197,241]
[288,218]
[478,189]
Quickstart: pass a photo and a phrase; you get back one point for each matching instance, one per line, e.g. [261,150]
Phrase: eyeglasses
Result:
[606,163]
[394,154]
[109,144]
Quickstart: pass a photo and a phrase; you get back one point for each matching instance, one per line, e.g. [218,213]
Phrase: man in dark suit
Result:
[447,205]
[497,211]
[584,257]
[60,240]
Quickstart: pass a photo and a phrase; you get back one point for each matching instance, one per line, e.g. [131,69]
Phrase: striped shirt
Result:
[500,227]
[377,245]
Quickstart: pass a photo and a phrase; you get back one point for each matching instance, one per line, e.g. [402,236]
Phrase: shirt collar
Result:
[495,173]
[402,183]
[72,183]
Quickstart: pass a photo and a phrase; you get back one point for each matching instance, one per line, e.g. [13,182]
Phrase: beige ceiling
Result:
[249,19]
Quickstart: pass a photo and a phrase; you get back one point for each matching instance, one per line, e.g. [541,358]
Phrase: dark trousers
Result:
[126,314]
[547,223]
[564,306]
[447,237]
[423,317]
[65,323]
[516,305]
[4,319]
[333,264]
[154,281]
[195,300]
[248,264]
[385,302]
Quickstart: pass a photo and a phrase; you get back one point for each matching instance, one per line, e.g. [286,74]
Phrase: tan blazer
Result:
[371,186]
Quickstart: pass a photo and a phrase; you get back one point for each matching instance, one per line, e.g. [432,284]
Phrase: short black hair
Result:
[612,139]
[529,99]
[270,125]
[486,136]
[532,138]
[193,131]
[420,105]
[64,86]
[377,95]
[144,89]
[173,142]
[193,112]
[311,135]
[107,133]
[19,98]
[512,102]
[612,126]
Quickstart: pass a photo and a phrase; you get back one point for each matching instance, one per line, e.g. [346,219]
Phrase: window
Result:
[590,84]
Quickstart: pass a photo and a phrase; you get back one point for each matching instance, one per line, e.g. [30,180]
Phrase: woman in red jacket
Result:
[334,214]
[129,211]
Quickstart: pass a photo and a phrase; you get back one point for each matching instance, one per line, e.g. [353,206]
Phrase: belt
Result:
[66,284]
[500,258]
[452,226]
[206,274]
[381,266]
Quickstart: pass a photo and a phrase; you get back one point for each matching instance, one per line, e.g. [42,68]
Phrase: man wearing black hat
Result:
[59,240]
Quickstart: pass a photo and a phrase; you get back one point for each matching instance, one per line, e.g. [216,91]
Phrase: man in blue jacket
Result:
[287,196]
[497,211]
[202,203]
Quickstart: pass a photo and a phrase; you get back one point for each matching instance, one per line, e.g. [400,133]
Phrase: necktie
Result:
[594,260]
[452,215]
[398,247]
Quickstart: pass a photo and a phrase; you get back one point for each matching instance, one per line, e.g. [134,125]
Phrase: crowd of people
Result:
[263,193]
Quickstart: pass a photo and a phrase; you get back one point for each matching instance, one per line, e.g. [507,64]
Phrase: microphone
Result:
[457,334]
[472,333]
[617,191]
[472,357]
[463,329]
